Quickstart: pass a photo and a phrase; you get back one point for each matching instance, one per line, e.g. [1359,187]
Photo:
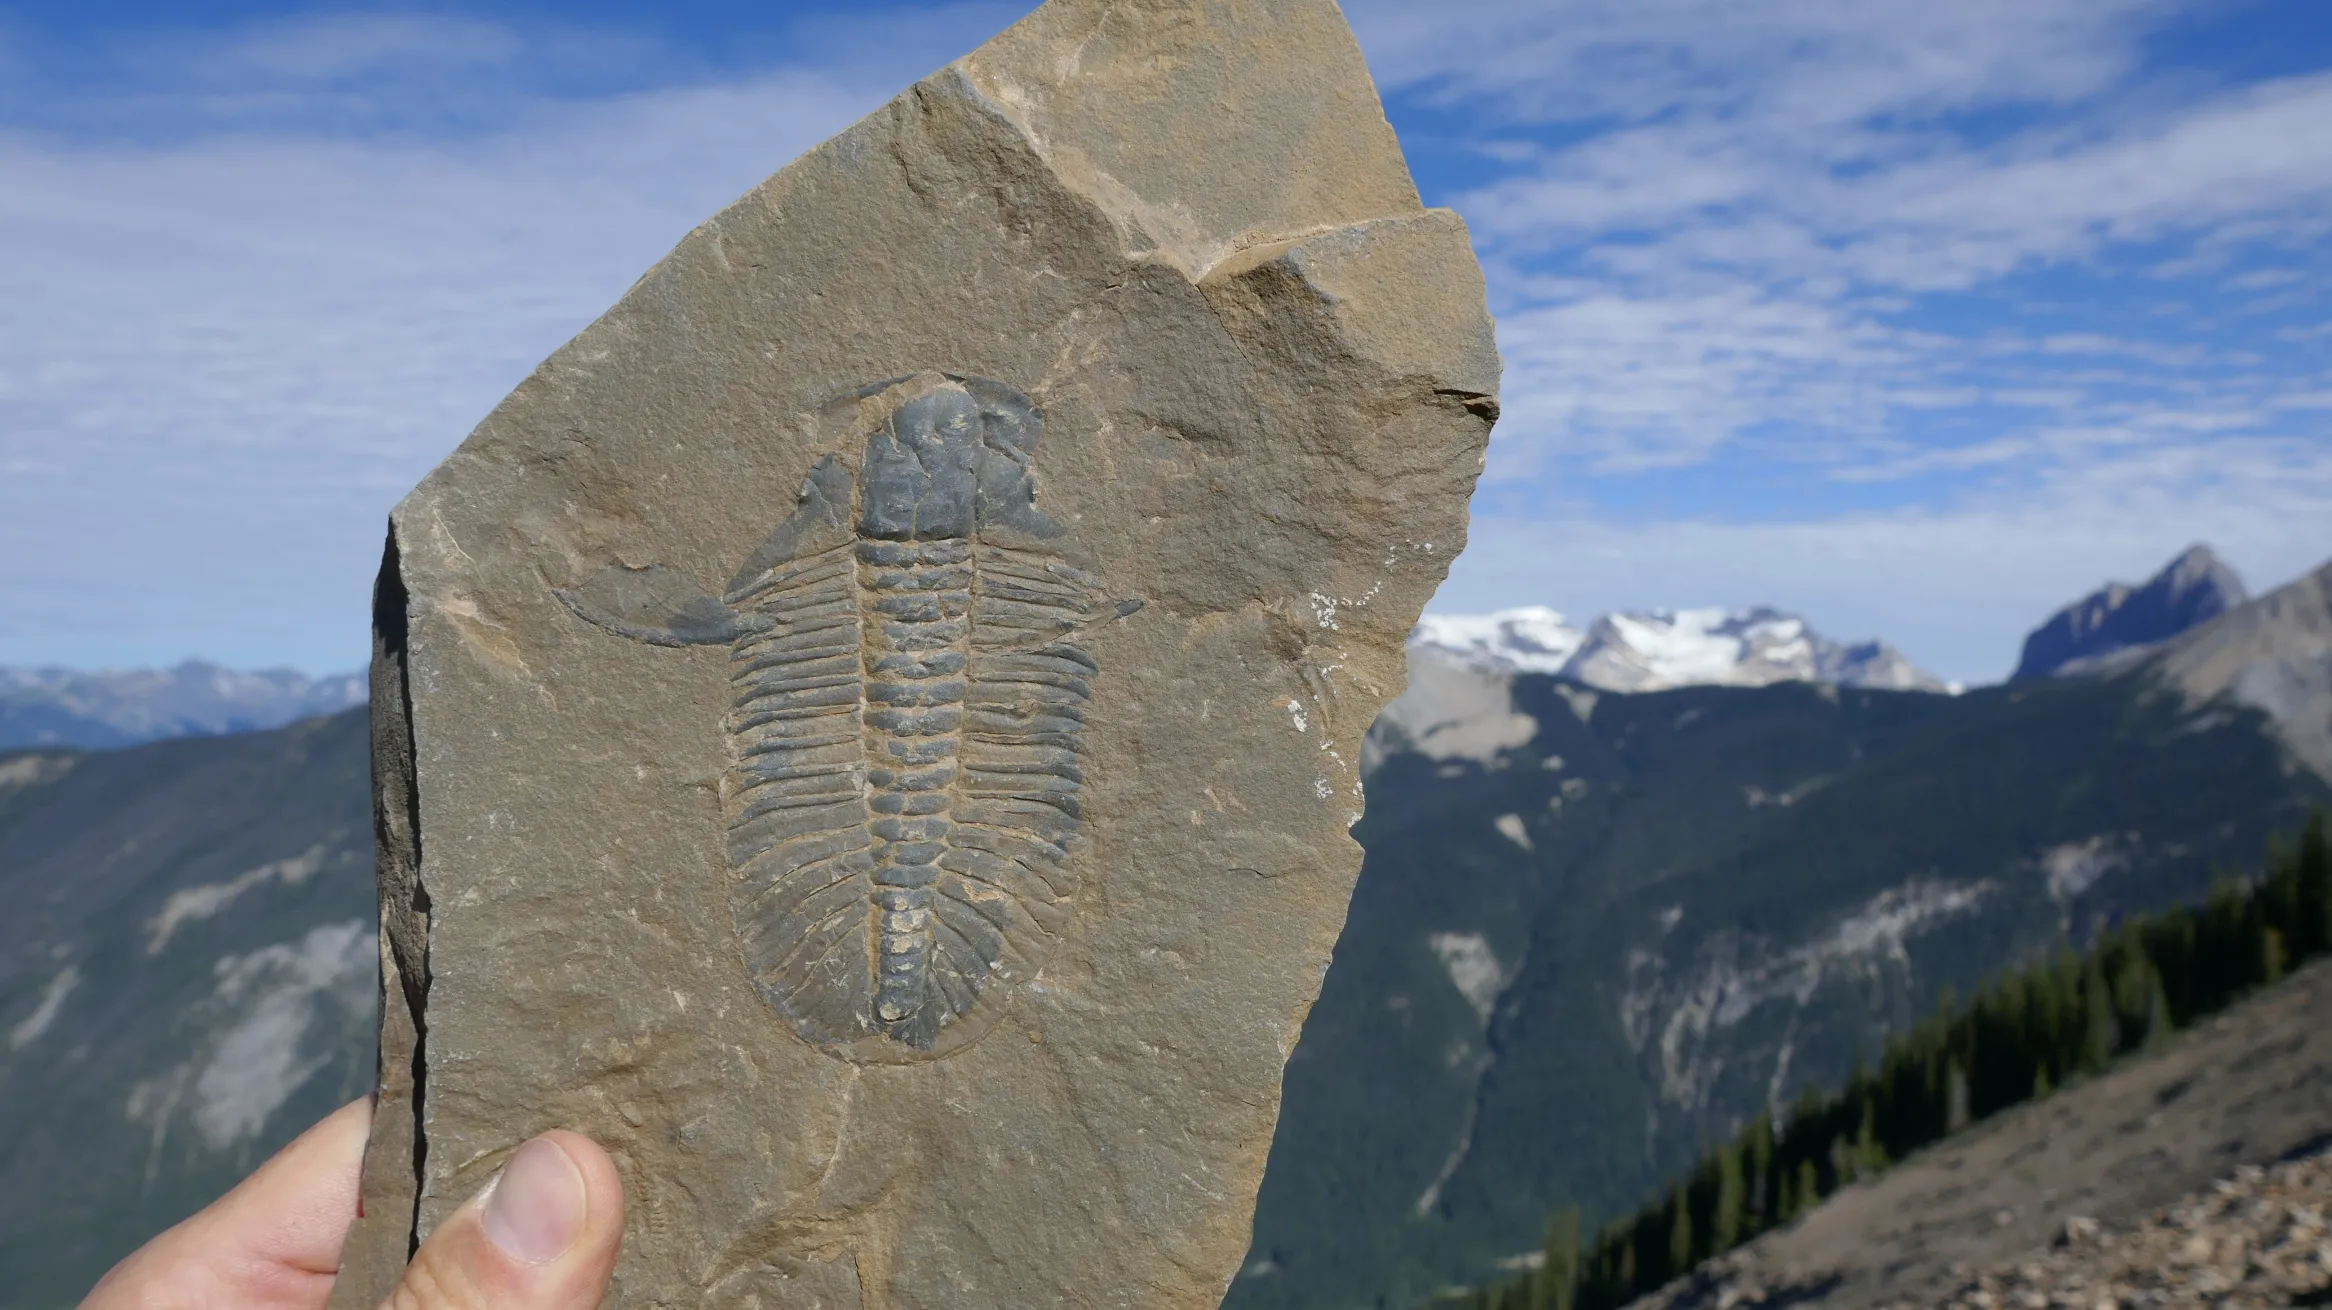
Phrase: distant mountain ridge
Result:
[1659,650]
[122,707]
[1595,930]
[2119,619]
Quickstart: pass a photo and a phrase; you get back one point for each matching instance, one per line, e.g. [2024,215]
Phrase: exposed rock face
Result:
[867,731]
[2273,654]
[2192,589]
[1450,710]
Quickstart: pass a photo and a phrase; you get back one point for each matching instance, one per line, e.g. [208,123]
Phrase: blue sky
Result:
[1918,318]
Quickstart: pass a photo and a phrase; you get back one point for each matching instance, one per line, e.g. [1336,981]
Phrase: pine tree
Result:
[1680,1234]
[1559,1276]
[1732,1200]
[1869,1156]
[1763,1185]
[2271,956]
[2099,1034]
[1955,1094]
[1809,1186]
[2313,870]
[2159,1027]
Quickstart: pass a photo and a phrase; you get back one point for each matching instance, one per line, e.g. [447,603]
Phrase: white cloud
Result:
[1892,257]
[1627,382]
[1815,63]
[1980,259]
[229,352]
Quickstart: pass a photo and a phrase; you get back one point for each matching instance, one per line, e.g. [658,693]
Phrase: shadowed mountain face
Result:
[187,979]
[73,708]
[1596,931]
[2191,590]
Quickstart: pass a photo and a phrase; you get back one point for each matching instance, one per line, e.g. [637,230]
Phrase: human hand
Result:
[542,1235]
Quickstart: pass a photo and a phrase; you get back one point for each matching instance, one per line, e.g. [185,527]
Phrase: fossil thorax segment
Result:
[909,691]
[916,644]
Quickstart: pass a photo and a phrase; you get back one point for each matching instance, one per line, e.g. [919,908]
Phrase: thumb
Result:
[541,1236]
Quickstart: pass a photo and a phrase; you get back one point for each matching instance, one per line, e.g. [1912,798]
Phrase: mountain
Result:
[2192,589]
[1655,650]
[1595,931]
[2273,654]
[187,978]
[65,707]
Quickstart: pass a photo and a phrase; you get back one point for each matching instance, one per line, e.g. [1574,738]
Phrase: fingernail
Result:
[536,1208]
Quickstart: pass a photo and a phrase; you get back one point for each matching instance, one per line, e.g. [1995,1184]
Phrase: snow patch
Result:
[52,999]
[1510,827]
[275,1018]
[33,770]
[1654,650]
[1532,639]
[2074,867]
[1473,968]
[191,903]
[258,1062]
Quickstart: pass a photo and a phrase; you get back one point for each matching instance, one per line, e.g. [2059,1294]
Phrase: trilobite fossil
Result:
[909,691]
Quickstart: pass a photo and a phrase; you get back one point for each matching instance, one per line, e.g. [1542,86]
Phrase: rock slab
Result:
[867,731]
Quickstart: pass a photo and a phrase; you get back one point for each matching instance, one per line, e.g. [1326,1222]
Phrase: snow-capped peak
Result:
[1532,639]
[1652,650]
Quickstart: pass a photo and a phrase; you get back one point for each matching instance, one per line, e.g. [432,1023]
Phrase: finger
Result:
[273,1243]
[541,1236]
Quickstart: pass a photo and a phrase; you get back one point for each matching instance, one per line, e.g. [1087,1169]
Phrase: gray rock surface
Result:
[2117,618]
[868,730]
[2273,654]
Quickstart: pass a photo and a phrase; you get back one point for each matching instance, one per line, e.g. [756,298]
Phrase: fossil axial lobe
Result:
[904,738]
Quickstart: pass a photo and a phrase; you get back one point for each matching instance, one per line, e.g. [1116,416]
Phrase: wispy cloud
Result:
[1892,310]
[1992,256]
[231,348]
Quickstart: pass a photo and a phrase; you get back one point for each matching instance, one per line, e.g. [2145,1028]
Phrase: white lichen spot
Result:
[1324,610]
[1321,789]
[1295,710]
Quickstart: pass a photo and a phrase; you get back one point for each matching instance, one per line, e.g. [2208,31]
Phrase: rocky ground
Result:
[2202,1175]
[2258,1239]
